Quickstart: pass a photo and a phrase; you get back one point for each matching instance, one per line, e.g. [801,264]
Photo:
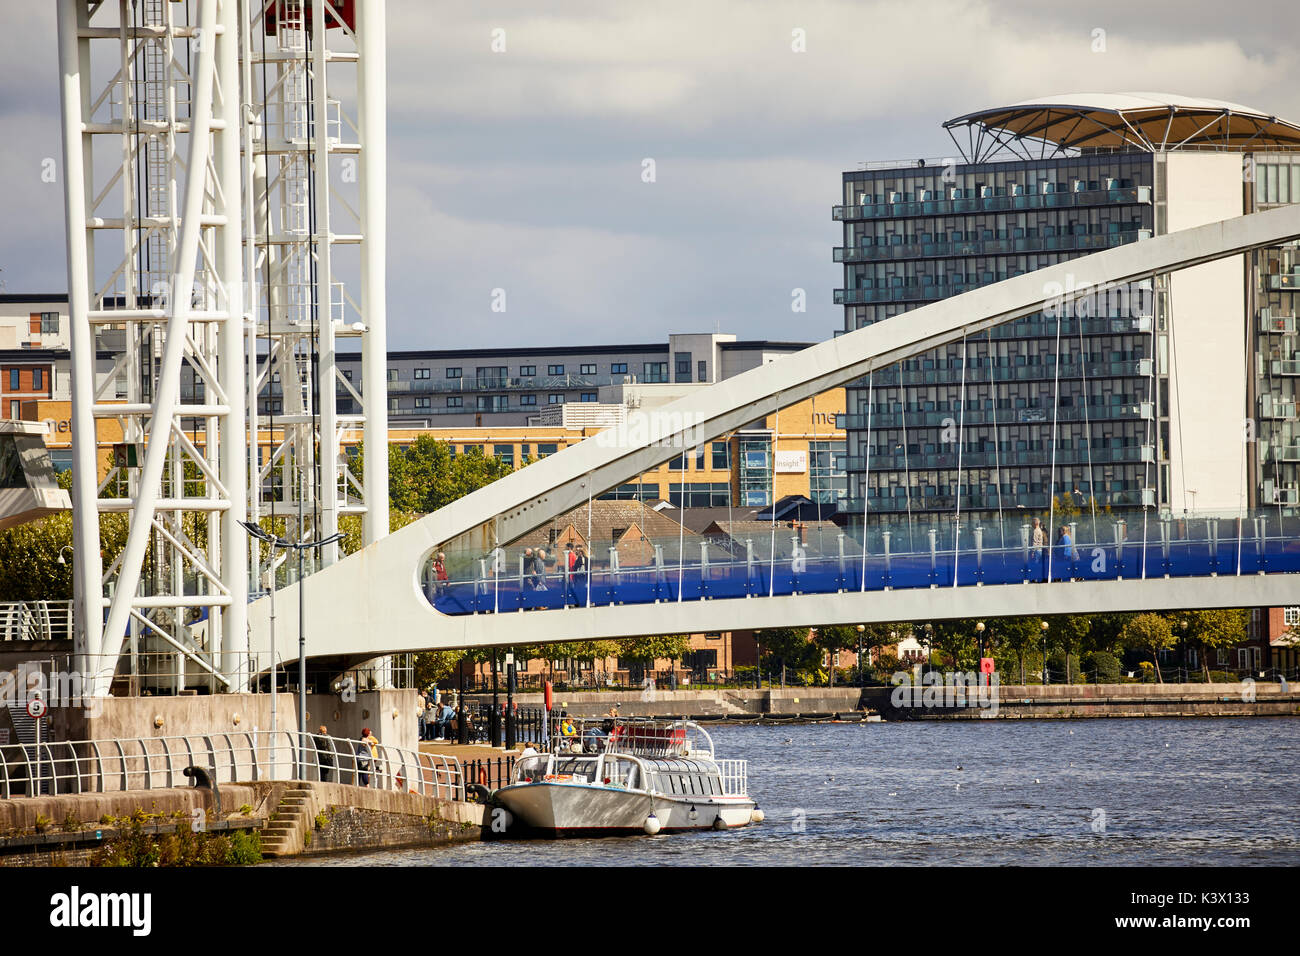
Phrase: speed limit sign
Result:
[36,708]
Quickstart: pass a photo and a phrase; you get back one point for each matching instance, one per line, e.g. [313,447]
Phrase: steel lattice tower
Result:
[219,158]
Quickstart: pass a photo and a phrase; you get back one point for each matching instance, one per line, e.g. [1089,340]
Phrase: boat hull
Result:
[562,809]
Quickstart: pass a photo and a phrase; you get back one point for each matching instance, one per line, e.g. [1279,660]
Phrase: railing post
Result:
[839,542]
[1120,530]
[934,557]
[886,537]
[979,556]
[704,570]
[1261,541]
[1024,553]
[749,567]
[1212,532]
[1164,544]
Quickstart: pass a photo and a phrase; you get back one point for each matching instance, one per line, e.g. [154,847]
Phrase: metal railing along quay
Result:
[36,621]
[151,763]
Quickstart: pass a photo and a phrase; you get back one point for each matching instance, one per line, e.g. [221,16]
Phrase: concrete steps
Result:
[286,834]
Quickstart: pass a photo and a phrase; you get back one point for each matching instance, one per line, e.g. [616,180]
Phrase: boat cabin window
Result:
[581,769]
[530,769]
[621,772]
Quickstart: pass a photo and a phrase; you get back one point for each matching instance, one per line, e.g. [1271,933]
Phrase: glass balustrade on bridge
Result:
[824,560]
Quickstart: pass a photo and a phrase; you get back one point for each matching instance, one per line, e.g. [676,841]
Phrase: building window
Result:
[588,397]
[492,403]
[1291,616]
[392,375]
[683,368]
[38,379]
[545,449]
[527,370]
[587,369]
[721,456]
[49,323]
[618,368]
[421,373]
[828,482]
[554,399]
[701,494]
[422,402]
[755,470]
[455,401]
[527,399]
[504,454]
[655,372]
[13,381]
[347,373]
[555,370]
[453,373]
[702,371]
[635,492]
[392,404]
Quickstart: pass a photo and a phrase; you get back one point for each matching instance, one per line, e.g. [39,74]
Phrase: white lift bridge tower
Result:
[224,172]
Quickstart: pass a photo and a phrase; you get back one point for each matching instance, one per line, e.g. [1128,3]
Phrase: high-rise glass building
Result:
[1076,403]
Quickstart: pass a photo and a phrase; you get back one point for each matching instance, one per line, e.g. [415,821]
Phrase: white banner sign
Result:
[791,462]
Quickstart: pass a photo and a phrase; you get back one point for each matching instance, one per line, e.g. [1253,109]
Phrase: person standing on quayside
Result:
[324,753]
[1039,541]
[364,757]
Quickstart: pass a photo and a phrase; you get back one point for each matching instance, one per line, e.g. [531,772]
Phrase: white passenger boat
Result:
[622,776]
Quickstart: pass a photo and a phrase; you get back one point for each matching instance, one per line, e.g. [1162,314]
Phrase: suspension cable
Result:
[961,426]
[1051,489]
[997,440]
[1087,428]
[866,477]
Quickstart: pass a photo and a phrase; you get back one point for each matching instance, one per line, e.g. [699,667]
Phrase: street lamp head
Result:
[980,627]
[1044,626]
[861,628]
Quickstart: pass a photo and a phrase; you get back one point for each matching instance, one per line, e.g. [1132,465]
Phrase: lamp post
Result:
[301,547]
[758,660]
[1182,645]
[929,643]
[494,721]
[1044,626]
[861,629]
[510,700]
[979,636]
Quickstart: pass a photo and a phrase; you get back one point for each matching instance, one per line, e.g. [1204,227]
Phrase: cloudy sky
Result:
[522,170]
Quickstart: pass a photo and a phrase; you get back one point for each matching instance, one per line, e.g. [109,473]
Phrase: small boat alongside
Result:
[621,776]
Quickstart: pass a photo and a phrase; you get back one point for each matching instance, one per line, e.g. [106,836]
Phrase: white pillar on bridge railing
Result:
[934,554]
[1261,536]
[660,577]
[885,537]
[1164,541]
[1120,530]
[1212,532]
[704,560]
[839,543]
[613,560]
[979,552]
[1024,549]
[749,565]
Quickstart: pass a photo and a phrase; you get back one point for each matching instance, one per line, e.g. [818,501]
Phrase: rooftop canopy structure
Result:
[1083,122]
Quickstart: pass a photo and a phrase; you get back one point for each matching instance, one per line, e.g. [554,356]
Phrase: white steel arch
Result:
[374,603]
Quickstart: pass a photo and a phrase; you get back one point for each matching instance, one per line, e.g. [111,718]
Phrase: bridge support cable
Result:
[997,441]
[1151,432]
[866,477]
[681,527]
[771,552]
[907,470]
[961,438]
[1056,412]
[1087,428]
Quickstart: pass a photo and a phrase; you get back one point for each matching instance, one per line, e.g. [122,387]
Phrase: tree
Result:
[1016,635]
[1151,633]
[791,646]
[832,639]
[1214,629]
[1070,633]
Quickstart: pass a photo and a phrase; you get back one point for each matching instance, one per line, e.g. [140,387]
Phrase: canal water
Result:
[1136,792]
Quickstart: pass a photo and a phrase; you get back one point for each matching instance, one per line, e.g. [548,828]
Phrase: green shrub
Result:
[1101,667]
